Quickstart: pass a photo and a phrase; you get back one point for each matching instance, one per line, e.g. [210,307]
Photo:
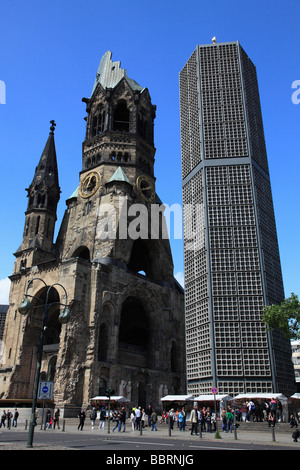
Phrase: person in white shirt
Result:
[138,415]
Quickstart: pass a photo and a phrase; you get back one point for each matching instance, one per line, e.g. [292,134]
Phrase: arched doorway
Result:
[32,335]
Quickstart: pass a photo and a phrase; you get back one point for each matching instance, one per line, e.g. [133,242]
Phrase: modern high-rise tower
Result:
[231,255]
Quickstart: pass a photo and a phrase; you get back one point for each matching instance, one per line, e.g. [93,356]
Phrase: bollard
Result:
[26,423]
[141,428]
[273,433]
[64,424]
[235,430]
[169,422]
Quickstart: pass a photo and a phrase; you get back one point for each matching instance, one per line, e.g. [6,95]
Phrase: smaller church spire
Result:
[46,171]
[43,197]
[44,190]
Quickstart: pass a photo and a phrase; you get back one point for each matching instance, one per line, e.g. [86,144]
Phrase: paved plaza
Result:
[72,438]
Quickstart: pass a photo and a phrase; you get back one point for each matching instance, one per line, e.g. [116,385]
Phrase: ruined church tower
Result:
[126,330]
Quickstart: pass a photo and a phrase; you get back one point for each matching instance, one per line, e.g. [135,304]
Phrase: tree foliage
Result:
[285,316]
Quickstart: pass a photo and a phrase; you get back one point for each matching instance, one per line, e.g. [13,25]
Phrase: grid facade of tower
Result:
[231,255]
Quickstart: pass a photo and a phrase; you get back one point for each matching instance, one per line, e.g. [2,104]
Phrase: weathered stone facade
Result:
[127,328]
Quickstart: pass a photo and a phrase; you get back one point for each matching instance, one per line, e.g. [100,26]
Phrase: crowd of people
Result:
[202,419]
[138,416]
[9,419]
[265,411]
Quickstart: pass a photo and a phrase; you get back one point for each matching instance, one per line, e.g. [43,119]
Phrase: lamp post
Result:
[64,317]
[109,393]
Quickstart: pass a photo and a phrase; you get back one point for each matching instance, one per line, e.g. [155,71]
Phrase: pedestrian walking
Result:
[181,420]
[214,421]
[48,418]
[138,416]
[223,418]
[102,418]
[9,417]
[122,420]
[143,418]
[172,417]
[153,421]
[116,419]
[194,420]
[3,419]
[81,417]
[56,418]
[229,420]
[273,407]
[250,411]
[15,418]
[93,417]
[202,419]
[208,422]
[132,420]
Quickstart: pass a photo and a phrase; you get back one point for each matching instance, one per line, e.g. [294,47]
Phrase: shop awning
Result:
[178,398]
[212,397]
[258,396]
[112,398]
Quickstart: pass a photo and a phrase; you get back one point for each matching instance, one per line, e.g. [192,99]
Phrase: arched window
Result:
[102,386]
[121,117]
[98,122]
[82,252]
[53,324]
[134,327]
[41,200]
[103,344]
[51,368]
[37,225]
[27,226]
[140,261]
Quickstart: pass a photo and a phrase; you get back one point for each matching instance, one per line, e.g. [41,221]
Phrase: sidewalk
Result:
[265,437]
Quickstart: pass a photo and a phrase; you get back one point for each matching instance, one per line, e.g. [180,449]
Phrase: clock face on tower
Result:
[89,184]
[146,188]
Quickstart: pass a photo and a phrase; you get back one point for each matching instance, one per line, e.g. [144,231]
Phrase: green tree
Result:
[285,316]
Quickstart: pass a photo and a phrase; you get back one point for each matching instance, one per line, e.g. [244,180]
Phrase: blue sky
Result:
[49,56]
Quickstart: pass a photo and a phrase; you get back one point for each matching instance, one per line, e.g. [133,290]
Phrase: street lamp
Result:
[64,317]
[109,392]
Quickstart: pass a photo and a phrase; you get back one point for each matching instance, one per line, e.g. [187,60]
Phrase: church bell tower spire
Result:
[43,197]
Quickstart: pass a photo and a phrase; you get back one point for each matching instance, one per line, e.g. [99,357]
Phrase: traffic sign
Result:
[45,391]
[214,390]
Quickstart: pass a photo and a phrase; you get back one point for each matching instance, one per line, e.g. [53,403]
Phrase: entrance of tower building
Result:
[133,334]
[32,338]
